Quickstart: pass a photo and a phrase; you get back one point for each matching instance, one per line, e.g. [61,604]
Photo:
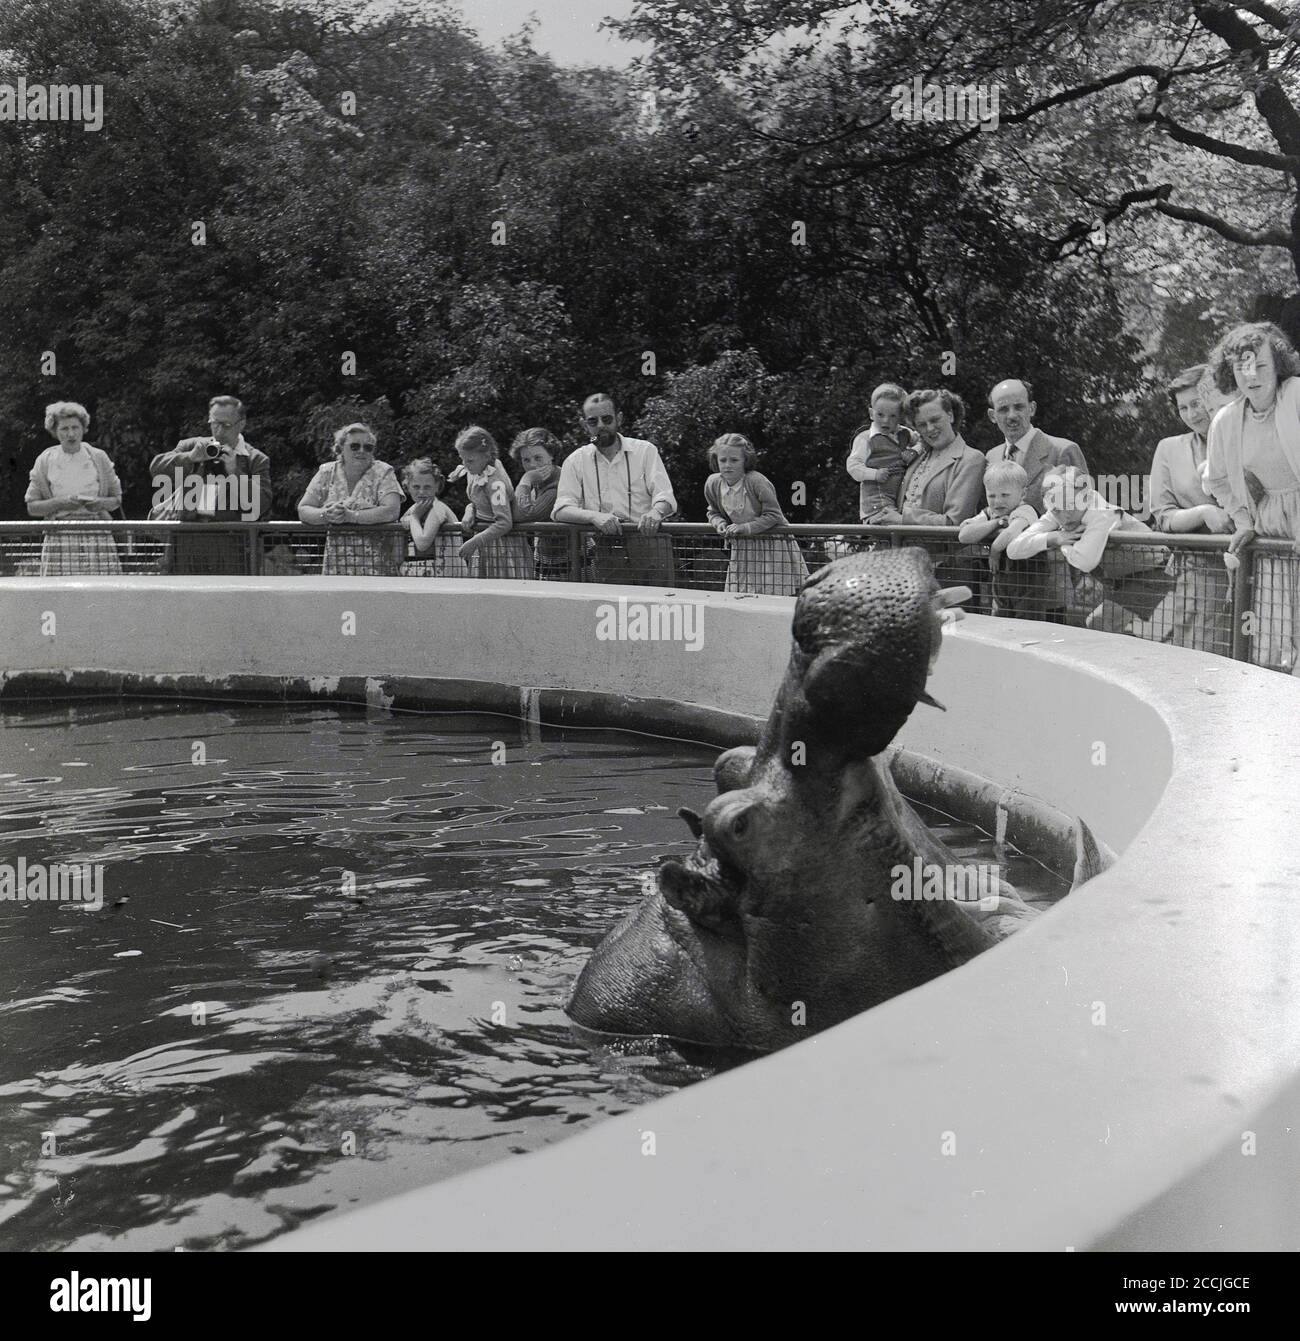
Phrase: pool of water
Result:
[331,960]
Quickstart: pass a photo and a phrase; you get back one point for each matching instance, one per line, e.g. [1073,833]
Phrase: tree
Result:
[1216,82]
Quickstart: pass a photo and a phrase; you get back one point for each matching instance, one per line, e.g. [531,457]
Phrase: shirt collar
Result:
[1022,444]
[957,445]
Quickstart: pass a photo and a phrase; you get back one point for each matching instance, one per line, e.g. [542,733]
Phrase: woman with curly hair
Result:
[1253,471]
[355,489]
[943,486]
[73,481]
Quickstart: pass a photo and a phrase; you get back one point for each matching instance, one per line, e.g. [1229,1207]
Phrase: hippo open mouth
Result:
[785,918]
[706,887]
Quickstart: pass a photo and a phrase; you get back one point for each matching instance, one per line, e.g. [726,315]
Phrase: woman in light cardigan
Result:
[1253,470]
[743,510]
[74,481]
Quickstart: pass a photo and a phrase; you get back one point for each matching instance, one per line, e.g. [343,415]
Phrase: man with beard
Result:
[613,481]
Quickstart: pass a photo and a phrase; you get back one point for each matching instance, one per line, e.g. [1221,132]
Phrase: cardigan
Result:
[1176,480]
[1225,475]
[38,486]
[762,498]
[492,497]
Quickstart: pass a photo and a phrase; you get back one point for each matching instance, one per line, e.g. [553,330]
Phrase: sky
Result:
[567,29]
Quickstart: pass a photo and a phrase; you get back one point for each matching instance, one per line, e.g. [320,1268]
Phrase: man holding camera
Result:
[218,479]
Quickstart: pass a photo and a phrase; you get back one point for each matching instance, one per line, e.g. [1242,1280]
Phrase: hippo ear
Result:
[732,768]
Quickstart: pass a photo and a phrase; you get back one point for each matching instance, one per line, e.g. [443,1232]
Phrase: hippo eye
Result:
[740,825]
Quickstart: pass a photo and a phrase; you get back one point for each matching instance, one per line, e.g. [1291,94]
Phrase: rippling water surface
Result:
[331,962]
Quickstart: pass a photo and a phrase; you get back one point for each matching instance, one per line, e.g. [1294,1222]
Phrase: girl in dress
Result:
[538,451]
[74,481]
[355,489]
[429,553]
[490,551]
[743,509]
[1253,471]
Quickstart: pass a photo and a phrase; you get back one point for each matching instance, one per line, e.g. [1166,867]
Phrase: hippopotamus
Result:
[782,921]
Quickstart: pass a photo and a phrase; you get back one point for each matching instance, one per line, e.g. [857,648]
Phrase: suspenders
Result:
[595,465]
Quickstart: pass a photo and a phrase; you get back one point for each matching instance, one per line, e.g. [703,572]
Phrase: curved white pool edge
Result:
[1063,1127]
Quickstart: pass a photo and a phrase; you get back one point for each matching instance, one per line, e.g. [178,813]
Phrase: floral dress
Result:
[350,551]
[65,549]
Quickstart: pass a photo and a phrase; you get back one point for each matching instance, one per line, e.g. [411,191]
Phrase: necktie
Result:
[1012,449]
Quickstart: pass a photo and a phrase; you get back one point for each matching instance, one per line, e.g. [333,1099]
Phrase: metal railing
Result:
[1171,588]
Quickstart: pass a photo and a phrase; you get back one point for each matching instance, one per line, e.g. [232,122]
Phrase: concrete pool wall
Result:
[1121,1074]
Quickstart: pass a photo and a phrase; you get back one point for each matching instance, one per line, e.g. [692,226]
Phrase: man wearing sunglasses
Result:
[616,484]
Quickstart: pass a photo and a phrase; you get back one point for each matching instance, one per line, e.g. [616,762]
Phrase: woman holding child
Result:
[944,485]
[1253,471]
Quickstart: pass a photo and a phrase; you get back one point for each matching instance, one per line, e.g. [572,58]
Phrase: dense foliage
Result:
[337,217]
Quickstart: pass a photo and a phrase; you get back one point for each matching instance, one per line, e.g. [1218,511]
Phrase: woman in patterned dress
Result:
[355,489]
[1253,470]
[74,481]
[743,509]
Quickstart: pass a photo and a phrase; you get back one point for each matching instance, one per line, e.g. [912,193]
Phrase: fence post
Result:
[1241,587]
[254,533]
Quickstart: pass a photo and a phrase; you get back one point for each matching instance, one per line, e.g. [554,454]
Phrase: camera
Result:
[210,450]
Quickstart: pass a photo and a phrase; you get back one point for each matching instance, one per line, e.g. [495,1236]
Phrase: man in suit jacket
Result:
[1012,409]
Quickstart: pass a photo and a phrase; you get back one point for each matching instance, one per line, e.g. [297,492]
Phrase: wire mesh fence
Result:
[1171,589]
